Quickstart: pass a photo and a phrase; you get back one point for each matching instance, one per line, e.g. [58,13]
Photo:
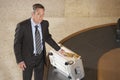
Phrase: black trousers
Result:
[37,67]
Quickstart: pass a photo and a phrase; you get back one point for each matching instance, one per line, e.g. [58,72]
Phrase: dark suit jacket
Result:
[23,42]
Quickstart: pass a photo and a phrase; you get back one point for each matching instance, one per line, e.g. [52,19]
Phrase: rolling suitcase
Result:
[69,64]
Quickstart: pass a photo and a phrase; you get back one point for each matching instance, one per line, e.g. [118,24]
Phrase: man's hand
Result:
[61,51]
[22,65]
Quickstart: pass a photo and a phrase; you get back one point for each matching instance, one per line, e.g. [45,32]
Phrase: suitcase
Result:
[69,65]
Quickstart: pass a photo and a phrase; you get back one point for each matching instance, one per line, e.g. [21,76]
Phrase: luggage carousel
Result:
[91,45]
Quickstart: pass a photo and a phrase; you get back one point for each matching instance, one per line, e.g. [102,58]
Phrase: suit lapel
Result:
[30,32]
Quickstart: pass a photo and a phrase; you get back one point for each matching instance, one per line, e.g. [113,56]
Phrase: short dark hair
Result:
[37,5]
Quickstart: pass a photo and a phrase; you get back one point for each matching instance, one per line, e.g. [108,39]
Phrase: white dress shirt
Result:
[33,33]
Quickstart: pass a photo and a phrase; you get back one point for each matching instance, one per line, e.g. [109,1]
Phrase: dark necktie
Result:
[38,41]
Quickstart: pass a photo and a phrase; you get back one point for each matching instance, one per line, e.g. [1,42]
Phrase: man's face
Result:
[38,15]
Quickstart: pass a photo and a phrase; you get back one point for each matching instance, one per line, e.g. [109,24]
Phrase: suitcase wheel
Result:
[50,53]
[69,77]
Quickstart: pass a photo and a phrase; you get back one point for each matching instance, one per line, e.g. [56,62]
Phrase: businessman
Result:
[29,44]
[118,31]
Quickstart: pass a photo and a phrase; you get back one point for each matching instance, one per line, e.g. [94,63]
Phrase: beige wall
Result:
[65,17]
[92,8]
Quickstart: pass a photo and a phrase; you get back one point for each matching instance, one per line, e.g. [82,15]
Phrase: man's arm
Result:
[49,39]
[18,43]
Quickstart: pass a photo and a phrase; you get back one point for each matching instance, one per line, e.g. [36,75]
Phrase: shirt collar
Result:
[33,23]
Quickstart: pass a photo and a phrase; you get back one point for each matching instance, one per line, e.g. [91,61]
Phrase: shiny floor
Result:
[54,74]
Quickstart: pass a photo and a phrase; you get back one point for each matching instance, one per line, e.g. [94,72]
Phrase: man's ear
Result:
[32,13]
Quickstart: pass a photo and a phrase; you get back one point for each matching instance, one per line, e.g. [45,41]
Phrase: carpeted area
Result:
[109,65]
